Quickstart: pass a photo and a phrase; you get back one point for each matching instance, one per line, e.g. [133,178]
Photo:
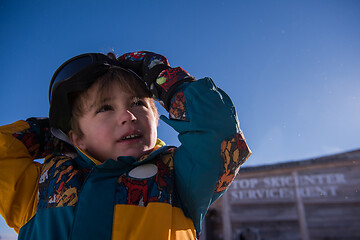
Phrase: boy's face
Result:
[121,125]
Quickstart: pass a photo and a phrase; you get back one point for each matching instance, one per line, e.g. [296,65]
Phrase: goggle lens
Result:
[71,68]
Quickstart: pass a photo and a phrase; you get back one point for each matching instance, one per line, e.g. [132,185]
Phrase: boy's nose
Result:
[126,117]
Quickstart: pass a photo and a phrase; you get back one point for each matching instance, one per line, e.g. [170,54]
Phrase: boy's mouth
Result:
[130,136]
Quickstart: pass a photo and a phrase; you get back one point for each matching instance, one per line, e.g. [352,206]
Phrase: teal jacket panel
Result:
[212,145]
[52,223]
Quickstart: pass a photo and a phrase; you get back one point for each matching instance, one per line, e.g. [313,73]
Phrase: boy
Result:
[121,183]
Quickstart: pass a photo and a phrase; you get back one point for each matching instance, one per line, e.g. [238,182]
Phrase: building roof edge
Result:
[344,156]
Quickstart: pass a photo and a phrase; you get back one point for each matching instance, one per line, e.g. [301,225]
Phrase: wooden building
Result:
[311,199]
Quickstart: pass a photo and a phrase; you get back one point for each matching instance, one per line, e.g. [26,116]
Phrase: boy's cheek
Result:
[156,121]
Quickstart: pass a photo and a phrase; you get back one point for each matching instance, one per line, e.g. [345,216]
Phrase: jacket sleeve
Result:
[19,175]
[212,145]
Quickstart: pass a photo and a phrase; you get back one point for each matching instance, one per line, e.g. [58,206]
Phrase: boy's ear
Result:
[76,140]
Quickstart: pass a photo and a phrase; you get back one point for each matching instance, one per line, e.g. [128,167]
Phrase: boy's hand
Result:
[40,141]
[155,71]
[147,65]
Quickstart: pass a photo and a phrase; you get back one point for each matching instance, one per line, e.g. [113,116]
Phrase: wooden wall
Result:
[311,199]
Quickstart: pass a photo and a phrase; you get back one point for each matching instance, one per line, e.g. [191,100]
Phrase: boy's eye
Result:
[138,102]
[105,108]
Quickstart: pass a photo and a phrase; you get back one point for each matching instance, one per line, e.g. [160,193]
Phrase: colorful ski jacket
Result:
[163,195]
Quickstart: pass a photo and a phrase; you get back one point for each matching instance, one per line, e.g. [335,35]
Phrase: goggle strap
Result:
[60,135]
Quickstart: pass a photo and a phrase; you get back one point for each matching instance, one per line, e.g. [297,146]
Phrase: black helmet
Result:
[75,75]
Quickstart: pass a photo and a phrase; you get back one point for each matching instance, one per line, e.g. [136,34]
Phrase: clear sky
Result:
[292,68]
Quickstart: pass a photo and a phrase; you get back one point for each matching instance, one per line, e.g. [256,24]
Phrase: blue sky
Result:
[292,68]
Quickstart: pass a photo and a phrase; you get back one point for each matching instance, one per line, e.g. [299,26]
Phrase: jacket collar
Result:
[92,162]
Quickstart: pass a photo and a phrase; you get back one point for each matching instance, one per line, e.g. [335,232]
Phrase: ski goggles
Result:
[80,63]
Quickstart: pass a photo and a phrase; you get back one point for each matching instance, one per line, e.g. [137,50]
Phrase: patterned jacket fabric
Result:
[163,195]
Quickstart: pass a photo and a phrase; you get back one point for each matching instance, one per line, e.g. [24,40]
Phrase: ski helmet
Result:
[75,75]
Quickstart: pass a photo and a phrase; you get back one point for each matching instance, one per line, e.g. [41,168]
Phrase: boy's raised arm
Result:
[212,144]
[20,143]
[19,175]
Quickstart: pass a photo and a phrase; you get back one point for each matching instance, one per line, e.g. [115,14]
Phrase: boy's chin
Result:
[136,154]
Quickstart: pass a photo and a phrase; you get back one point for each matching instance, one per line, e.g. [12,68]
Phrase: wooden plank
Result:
[275,212]
[226,217]
[301,211]
[272,230]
